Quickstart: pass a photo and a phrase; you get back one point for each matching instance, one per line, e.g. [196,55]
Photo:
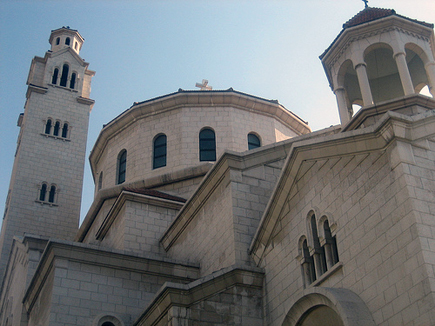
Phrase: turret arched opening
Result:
[382,72]
[416,59]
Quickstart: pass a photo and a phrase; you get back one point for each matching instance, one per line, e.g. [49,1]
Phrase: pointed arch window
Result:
[72,82]
[55,75]
[253,141]
[43,192]
[65,130]
[207,145]
[64,77]
[56,128]
[122,166]
[160,150]
[67,41]
[48,127]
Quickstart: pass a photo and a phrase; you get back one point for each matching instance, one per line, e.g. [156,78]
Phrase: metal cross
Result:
[204,86]
[366,2]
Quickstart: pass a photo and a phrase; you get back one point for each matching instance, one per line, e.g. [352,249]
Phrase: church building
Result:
[217,207]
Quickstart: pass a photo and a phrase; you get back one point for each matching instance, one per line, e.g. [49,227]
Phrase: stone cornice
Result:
[391,105]
[116,259]
[182,99]
[35,88]
[184,295]
[377,137]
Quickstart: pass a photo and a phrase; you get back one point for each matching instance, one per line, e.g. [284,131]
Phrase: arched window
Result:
[72,83]
[331,251]
[122,166]
[76,45]
[207,145]
[108,323]
[56,128]
[253,141]
[43,192]
[319,252]
[65,130]
[51,194]
[67,41]
[100,180]
[48,127]
[55,75]
[58,41]
[159,159]
[64,77]
[308,268]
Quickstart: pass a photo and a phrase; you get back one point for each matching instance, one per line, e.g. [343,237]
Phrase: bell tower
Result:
[378,57]
[45,189]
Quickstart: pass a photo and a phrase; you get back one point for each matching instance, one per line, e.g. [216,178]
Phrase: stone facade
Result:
[332,227]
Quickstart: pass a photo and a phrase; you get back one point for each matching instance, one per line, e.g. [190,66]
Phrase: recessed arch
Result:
[67,41]
[348,80]
[55,76]
[348,306]
[107,320]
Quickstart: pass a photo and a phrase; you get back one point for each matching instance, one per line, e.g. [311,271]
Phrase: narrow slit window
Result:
[100,180]
[56,128]
[43,192]
[72,83]
[122,167]
[64,77]
[48,127]
[160,150]
[51,194]
[65,130]
[58,41]
[55,75]
[319,252]
[207,145]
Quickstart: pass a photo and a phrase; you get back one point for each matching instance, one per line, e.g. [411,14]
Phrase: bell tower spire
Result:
[46,183]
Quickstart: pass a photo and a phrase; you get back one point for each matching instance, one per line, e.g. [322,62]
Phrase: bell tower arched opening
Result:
[384,77]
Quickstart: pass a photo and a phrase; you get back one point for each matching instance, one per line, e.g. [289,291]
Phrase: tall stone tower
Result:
[46,183]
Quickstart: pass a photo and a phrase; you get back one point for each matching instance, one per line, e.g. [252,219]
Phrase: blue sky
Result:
[144,49]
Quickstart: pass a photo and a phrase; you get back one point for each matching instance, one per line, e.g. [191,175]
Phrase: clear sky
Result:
[144,49]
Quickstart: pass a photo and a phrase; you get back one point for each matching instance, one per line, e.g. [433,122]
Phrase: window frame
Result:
[204,149]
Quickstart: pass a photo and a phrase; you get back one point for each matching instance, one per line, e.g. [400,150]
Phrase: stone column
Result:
[342,105]
[430,71]
[364,85]
[405,77]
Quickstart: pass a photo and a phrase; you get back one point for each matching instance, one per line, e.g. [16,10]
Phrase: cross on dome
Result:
[204,86]
[366,3]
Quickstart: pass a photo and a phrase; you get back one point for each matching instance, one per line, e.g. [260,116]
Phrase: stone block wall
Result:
[378,232]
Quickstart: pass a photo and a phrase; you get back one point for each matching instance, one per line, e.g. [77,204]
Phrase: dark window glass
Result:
[64,77]
[48,127]
[65,130]
[122,166]
[51,194]
[43,192]
[55,75]
[56,128]
[332,241]
[72,83]
[159,152]
[207,145]
[58,41]
[318,249]
[100,180]
[67,41]
[253,141]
